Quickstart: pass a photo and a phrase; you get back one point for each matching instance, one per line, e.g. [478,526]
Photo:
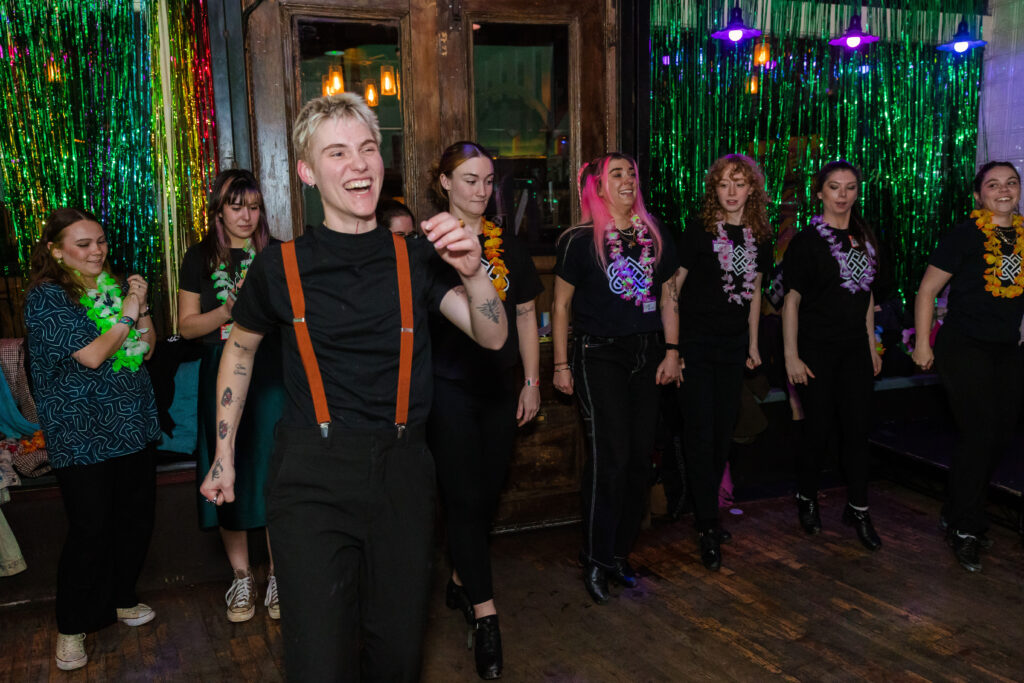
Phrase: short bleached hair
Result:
[344,105]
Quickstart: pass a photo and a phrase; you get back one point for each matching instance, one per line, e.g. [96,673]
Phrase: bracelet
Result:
[565,369]
[127,321]
[671,346]
[531,382]
[561,365]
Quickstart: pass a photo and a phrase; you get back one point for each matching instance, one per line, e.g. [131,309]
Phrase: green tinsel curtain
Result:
[82,96]
[903,112]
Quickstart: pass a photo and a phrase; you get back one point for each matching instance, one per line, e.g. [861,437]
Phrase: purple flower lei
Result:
[724,249]
[866,278]
[638,291]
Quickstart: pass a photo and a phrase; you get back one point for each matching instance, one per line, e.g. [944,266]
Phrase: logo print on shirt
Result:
[1011,268]
[858,262]
[741,259]
[631,267]
[488,268]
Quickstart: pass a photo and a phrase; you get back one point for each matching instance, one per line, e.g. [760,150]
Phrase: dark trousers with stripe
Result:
[351,521]
[110,507]
[614,381]
[983,382]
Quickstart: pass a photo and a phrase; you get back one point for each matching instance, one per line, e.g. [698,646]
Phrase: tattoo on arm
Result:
[459,291]
[490,309]
[217,469]
[222,430]
[241,369]
[225,399]
[239,346]
[524,309]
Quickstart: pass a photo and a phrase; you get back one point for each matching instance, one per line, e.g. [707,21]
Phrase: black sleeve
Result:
[797,266]
[687,247]
[252,310]
[765,259]
[950,252]
[572,250]
[669,262]
[190,277]
[529,284]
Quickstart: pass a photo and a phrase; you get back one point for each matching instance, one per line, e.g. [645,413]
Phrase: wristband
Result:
[531,382]
[669,346]
[565,369]
[127,321]
[561,365]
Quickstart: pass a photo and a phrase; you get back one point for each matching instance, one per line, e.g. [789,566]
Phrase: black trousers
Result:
[710,403]
[472,436]
[615,386]
[838,396]
[983,383]
[351,520]
[110,509]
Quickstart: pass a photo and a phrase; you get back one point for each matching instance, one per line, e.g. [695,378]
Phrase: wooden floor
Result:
[785,606]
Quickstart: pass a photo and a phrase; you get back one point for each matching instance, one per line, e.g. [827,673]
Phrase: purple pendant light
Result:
[736,30]
[854,36]
[962,41]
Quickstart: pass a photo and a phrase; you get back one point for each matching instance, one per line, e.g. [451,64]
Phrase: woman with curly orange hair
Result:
[722,259]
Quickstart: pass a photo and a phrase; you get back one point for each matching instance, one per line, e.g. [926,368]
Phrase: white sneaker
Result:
[71,652]
[271,602]
[136,616]
[241,597]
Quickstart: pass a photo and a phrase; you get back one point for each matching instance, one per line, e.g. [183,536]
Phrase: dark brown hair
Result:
[45,268]
[860,229]
[755,214]
[454,156]
[234,186]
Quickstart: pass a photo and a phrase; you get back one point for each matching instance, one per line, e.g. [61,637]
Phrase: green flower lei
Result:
[223,282]
[103,306]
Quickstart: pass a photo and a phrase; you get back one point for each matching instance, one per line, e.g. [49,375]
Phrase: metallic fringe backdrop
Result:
[84,123]
[903,112]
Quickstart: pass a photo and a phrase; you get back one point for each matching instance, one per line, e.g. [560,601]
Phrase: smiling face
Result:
[732,191]
[620,187]
[240,218]
[346,166]
[469,188]
[1000,192]
[839,193]
[83,247]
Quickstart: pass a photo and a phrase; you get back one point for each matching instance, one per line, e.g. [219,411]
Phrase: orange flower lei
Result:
[994,257]
[492,252]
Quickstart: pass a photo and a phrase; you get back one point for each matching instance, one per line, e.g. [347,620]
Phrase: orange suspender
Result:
[316,384]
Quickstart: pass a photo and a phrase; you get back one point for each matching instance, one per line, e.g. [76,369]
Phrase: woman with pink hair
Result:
[614,270]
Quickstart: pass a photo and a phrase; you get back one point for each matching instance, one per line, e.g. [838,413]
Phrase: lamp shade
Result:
[387,80]
[854,36]
[962,40]
[736,30]
[370,93]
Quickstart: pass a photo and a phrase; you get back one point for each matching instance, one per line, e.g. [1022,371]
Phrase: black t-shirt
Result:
[195,278]
[829,312]
[704,305]
[972,310]
[456,356]
[352,311]
[597,305]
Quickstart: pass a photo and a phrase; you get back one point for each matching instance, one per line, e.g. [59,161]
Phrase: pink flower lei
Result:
[851,282]
[724,248]
[638,290]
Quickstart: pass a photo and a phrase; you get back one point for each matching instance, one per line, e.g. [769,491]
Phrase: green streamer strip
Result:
[903,112]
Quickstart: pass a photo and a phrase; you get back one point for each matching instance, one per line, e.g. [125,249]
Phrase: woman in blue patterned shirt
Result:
[98,413]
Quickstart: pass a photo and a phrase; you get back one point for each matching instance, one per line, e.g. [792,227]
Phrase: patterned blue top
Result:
[88,416]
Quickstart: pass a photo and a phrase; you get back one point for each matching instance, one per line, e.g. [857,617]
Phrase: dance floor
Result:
[785,606]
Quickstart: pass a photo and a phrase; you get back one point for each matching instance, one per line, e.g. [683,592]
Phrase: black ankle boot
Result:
[487,648]
[455,598]
[595,580]
[809,514]
[623,574]
[861,521]
[710,549]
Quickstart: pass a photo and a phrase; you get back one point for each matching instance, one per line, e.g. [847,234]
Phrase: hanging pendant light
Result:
[387,80]
[854,36]
[962,41]
[736,30]
[371,93]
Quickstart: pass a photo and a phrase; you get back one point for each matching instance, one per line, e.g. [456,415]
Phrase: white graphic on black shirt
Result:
[489,269]
[630,268]
[741,259]
[1011,268]
[858,263]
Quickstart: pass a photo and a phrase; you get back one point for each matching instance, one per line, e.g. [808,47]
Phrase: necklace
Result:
[223,282]
[496,268]
[994,276]
[856,268]
[103,306]
[635,285]
[723,246]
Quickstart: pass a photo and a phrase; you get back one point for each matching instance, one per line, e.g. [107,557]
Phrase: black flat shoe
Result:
[455,598]
[710,549]
[595,580]
[984,542]
[966,550]
[623,574]
[487,648]
[861,521]
[809,514]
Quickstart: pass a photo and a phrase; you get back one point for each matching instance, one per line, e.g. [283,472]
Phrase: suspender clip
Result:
[401,429]
[324,428]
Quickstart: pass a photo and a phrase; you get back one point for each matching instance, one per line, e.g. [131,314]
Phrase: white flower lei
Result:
[103,306]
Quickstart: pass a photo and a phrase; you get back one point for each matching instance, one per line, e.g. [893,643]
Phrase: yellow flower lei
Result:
[994,257]
[492,252]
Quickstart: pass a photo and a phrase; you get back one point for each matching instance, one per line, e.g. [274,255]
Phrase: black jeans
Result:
[614,380]
[983,383]
[710,403]
[839,394]
[110,509]
[472,435]
[351,520]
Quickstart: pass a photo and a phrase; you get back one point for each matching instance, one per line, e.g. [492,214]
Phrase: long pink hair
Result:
[594,208]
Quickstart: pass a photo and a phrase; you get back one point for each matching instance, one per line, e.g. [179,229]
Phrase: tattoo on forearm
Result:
[240,346]
[222,430]
[491,310]
[524,309]
[225,398]
[217,469]
[241,369]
